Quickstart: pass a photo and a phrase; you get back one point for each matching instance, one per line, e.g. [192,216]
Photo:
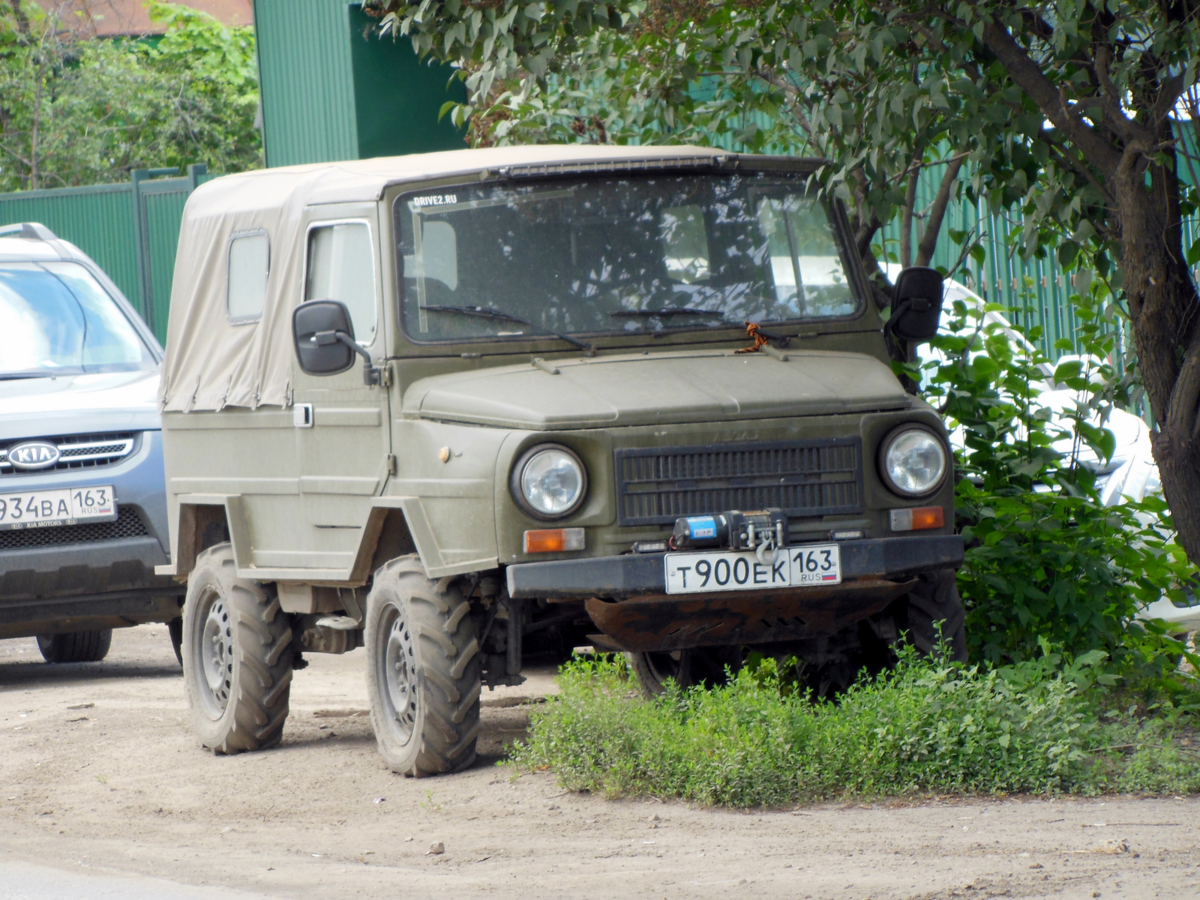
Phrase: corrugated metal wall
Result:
[306,81]
[98,219]
[104,222]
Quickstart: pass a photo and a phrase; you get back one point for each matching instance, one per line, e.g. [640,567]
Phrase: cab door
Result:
[340,423]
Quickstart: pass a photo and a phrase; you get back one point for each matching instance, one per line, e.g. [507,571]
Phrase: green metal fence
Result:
[131,230]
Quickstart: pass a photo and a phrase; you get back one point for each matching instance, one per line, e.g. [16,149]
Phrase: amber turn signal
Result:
[918,519]
[553,540]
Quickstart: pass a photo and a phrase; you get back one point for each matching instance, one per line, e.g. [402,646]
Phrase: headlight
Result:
[913,461]
[549,482]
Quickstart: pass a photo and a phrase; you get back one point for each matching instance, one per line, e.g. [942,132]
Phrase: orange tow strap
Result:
[753,331]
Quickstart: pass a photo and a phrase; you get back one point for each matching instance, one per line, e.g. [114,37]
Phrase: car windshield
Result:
[618,255]
[55,319]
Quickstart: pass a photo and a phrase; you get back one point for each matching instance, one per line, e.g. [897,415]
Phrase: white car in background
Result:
[1130,472]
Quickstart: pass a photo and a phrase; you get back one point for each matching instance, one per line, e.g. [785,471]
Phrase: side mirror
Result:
[917,305]
[317,327]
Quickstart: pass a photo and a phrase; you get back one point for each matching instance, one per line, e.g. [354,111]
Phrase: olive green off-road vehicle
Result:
[458,406]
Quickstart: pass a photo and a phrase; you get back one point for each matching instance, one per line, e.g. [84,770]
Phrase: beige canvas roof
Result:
[211,362]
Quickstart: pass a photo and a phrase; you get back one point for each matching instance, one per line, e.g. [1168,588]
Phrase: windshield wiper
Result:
[666,311]
[18,376]
[490,312]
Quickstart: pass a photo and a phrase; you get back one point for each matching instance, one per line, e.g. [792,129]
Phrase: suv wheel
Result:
[75,646]
[237,657]
[423,671]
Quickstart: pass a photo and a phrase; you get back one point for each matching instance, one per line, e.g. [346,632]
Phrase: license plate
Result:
[806,565]
[68,506]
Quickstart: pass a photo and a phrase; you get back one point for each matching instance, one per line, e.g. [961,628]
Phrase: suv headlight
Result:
[913,461]
[549,481]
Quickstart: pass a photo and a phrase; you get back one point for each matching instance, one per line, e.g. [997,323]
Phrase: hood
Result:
[78,404]
[652,389]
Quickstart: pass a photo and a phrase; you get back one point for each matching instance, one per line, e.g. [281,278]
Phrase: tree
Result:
[77,110]
[1065,108]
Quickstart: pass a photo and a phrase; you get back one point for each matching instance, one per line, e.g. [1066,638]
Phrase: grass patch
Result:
[926,727]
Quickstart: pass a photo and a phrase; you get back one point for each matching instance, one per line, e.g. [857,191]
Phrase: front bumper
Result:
[47,585]
[617,577]
[626,596]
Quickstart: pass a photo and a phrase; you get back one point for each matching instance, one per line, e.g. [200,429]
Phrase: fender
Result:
[395,526]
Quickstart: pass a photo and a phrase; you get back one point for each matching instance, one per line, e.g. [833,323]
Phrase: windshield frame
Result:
[675,334]
[145,337]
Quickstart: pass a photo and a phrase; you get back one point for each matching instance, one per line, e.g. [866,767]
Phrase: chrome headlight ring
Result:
[549,481]
[913,461]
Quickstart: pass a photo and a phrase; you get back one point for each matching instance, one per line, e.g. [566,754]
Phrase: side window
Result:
[341,267]
[249,263]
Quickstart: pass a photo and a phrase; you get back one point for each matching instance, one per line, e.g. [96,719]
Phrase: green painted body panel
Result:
[683,386]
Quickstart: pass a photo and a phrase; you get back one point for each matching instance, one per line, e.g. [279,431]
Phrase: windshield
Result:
[618,255]
[56,319]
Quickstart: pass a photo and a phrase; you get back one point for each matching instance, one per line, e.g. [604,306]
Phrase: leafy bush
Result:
[79,110]
[1046,559]
[928,726]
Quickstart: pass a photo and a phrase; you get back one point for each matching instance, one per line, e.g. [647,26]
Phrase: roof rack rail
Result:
[33,231]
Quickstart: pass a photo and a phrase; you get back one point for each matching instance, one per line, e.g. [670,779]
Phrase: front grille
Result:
[803,478]
[76,451]
[128,524]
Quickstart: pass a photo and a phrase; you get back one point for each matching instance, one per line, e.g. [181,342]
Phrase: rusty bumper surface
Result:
[751,617]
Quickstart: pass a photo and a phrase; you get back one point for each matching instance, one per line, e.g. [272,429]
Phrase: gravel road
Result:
[100,777]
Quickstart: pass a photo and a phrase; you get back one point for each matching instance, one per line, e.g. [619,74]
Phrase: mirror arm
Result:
[371,372]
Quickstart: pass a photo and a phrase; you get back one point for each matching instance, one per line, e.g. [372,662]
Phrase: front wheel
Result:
[932,613]
[75,646]
[423,671]
[237,657]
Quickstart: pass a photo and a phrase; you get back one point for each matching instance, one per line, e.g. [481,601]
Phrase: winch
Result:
[760,530]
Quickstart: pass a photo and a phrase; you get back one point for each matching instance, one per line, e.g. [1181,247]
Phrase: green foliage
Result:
[880,89]
[1046,559]
[926,727]
[77,110]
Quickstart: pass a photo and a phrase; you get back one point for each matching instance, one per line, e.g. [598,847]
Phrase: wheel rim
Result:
[667,664]
[396,673]
[213,651]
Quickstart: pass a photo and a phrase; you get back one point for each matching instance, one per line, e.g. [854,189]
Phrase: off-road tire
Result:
[75,646]
[687,668]
[423,671]
[238,689]
[935,600]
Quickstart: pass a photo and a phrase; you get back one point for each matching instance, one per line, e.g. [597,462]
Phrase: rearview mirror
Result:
[315,328]
[917,305]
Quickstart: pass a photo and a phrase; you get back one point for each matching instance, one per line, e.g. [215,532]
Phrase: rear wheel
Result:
[237,657]
[75,646]
[423,671]
[687,668]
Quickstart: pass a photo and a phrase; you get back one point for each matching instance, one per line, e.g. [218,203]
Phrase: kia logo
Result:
[33,455]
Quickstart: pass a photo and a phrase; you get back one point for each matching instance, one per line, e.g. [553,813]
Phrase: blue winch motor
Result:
[700,531]
[734,529]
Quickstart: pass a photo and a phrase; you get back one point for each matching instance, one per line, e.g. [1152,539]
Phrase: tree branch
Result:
[937,212]
[1030,78]
[906,219]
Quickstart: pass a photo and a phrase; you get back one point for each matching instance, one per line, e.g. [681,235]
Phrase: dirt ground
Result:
[99,772]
